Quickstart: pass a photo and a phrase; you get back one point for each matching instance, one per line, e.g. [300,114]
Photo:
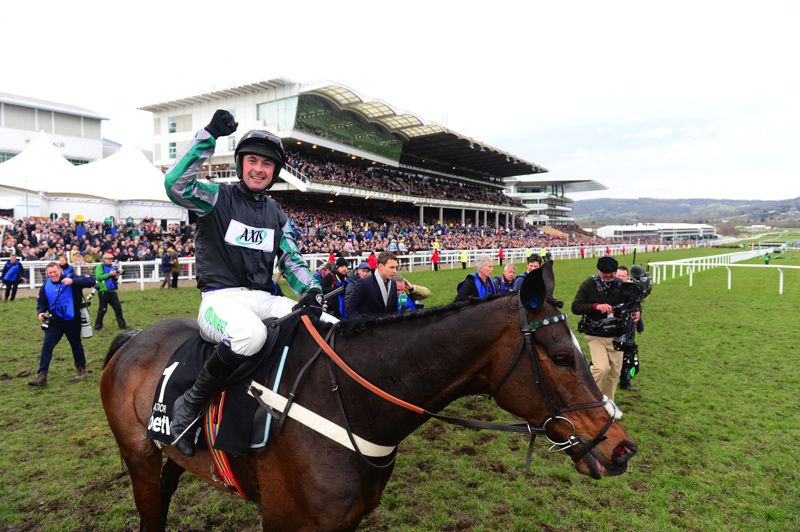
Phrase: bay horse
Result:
[516,347]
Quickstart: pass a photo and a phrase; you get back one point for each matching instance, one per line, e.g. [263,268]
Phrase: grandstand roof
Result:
[569,184]
[426,140]
[24,101]
[422,141]
[216,95]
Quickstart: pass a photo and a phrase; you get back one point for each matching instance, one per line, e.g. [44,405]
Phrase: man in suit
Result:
[376,293]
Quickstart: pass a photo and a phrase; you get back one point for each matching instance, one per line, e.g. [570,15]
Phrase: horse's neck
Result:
[432,361]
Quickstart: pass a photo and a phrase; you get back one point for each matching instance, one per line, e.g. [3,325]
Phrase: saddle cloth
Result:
[243,425]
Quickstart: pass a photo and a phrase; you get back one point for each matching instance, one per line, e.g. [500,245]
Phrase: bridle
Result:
[555,412]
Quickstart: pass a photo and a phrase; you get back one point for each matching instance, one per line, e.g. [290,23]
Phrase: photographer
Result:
[108,276]
[596,300]
[58,309]
[630,351]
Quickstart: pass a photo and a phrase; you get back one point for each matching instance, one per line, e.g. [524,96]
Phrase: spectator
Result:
[66,269]
[505,282]
[340,280]
[58,308]
[377,293]
[361,272]
[166,267]
[435,260]
[534,262]
[174,267]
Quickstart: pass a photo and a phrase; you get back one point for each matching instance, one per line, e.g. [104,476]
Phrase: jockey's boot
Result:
[191,404]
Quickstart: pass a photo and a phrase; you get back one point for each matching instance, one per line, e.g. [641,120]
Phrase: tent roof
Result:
[36,166]
[126,175]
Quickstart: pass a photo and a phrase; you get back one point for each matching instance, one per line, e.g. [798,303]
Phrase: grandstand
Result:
[354,153]
[666,232]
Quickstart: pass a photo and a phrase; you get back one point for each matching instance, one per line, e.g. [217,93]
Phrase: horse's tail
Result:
[118,342]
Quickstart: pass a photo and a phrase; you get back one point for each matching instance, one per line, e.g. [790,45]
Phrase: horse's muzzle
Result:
[595,466]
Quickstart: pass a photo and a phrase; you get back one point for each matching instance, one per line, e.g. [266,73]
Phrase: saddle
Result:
[240,425]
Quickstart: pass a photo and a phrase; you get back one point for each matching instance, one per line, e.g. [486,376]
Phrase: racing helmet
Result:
[260,142]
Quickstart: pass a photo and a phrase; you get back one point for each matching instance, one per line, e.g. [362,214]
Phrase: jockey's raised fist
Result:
[222,124]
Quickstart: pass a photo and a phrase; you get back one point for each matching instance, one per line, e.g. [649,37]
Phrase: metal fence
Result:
[146,272]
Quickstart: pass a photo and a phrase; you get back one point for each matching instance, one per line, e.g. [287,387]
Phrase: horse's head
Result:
[542,376]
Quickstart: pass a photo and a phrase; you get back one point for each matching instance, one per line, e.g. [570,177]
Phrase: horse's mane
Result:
[356,326]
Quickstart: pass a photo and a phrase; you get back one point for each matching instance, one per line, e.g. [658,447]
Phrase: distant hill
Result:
[605,211]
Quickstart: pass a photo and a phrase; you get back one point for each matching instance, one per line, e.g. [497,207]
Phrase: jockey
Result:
[240,233]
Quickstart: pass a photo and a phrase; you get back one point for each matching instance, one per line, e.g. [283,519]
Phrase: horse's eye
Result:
[562,360]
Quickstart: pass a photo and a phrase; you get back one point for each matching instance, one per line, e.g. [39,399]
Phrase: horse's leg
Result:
[144,468]
[170,474]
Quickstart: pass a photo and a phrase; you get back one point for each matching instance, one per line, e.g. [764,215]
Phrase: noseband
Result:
[556,412]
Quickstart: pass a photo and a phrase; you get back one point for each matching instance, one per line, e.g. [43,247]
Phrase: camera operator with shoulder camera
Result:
[627,342]
[606,305]
[58,308]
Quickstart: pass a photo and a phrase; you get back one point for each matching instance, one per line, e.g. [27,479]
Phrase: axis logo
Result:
[239,234]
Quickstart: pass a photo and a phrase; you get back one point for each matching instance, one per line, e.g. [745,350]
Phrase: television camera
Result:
[620,325]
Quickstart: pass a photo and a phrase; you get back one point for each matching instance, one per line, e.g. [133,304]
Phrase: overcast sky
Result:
[668,99]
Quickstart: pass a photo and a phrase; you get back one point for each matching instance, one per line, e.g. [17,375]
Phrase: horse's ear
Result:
[538,285]
[548,277]
[533,291]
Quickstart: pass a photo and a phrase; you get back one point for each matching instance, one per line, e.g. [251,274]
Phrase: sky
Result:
[680,99]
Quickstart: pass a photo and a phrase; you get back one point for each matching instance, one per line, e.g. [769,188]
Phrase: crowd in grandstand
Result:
[394,181]
[86,242]
[319,230]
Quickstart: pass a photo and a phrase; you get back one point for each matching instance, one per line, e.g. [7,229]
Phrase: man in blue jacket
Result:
[58,308]
[480,283]
[12,275]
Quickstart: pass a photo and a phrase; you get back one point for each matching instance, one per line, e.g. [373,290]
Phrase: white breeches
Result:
[234,316]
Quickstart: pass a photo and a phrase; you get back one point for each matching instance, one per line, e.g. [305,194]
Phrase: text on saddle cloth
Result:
[245,426]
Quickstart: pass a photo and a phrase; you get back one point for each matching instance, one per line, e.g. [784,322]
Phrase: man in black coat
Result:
[376,293]
[595,299]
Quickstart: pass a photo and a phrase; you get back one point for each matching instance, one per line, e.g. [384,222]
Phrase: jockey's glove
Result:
[222,124]
[312,302]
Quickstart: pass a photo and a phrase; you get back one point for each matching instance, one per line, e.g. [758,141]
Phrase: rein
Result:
[555,413]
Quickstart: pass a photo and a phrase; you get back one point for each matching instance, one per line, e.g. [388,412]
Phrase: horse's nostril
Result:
[623,452]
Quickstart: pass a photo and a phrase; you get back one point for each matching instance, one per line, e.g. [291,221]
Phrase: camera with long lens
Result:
[46,321]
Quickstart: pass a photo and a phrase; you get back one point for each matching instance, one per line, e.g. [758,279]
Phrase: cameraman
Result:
[630,351]
[58,309]
[596,298]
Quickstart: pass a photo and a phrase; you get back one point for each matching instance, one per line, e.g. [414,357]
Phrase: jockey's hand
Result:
[222,124]
[312,302]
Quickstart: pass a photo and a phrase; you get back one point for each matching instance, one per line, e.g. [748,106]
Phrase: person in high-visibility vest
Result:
[463,257]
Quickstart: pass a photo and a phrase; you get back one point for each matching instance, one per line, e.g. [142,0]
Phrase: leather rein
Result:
[527,345]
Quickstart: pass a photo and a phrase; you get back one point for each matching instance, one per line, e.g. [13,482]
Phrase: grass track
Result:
[716,422]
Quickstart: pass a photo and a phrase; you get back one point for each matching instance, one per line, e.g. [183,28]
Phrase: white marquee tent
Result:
[39,181]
